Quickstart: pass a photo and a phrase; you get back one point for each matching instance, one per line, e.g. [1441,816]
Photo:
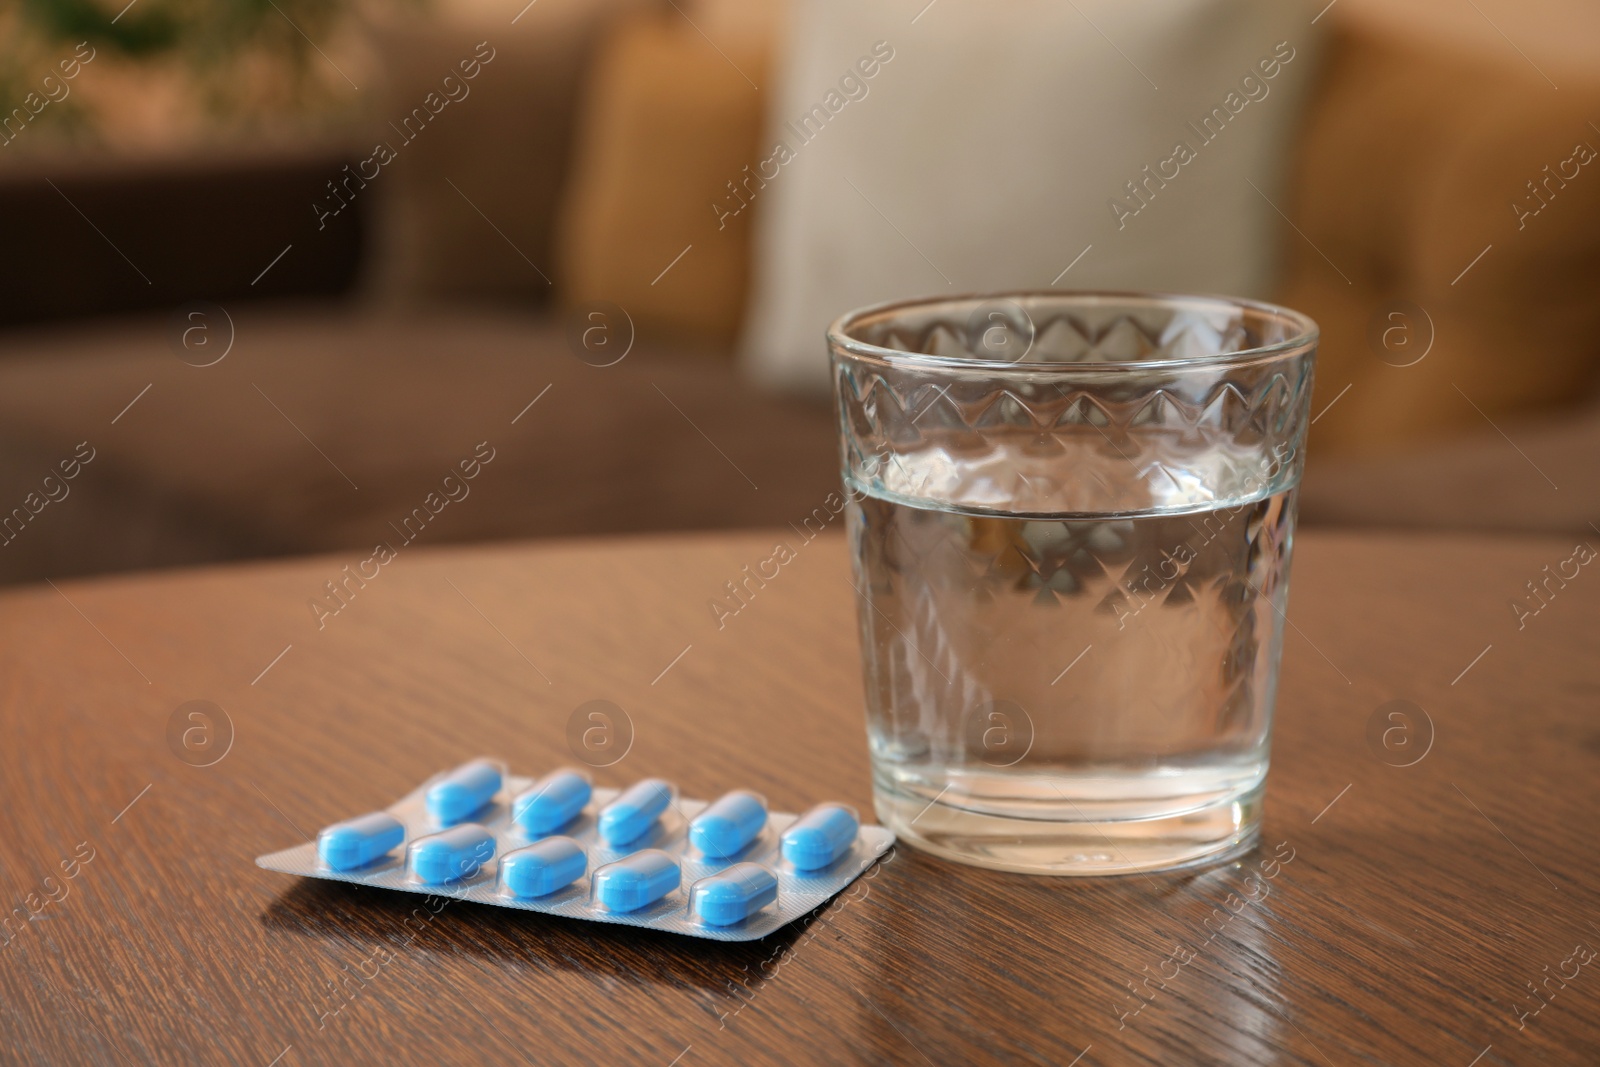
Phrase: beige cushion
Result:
[987,152]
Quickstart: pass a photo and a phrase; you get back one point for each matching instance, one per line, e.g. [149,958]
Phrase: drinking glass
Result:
[1071,517]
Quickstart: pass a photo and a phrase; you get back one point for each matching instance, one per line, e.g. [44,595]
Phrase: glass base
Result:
[1218,831]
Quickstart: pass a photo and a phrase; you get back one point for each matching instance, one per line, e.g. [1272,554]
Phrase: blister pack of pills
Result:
[728,869]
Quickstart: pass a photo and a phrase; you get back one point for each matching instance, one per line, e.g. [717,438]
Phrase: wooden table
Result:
[1400,913]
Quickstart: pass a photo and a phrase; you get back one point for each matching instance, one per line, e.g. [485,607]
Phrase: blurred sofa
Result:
[380,349]
[324,430]
[462,285]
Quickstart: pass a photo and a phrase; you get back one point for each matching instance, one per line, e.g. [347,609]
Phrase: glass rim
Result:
[1307,332]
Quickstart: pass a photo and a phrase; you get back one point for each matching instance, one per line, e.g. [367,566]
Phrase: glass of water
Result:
[1071,516]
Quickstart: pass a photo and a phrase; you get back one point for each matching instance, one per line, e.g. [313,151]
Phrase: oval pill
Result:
[637,881]
[463,791]
[820,836]
[540,869]
[728,825]
[452,854]
[733,895]
[357,842]
[551,802]
[626,818]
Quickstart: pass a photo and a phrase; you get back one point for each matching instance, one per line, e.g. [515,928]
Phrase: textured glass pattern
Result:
[1072,522]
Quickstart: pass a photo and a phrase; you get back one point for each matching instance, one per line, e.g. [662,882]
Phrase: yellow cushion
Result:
[1413,158]
[648,220]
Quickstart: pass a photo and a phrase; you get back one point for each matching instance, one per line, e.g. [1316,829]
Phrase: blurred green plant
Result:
[148,32]
[236,62]
[205,31]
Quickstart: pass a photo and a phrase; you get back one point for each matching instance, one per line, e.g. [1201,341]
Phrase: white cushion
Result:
[988,151]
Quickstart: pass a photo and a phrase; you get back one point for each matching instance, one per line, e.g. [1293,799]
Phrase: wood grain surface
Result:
[1393,915]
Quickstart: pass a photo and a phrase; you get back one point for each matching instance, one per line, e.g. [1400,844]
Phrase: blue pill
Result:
[452,854]
[820,836]
[463,791]
[626,818]
[729,824]
[636,882]
[540,869]
[733,895]
[552,802]
[356,842]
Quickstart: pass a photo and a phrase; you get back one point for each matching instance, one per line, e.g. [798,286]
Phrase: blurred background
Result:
[271,270]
